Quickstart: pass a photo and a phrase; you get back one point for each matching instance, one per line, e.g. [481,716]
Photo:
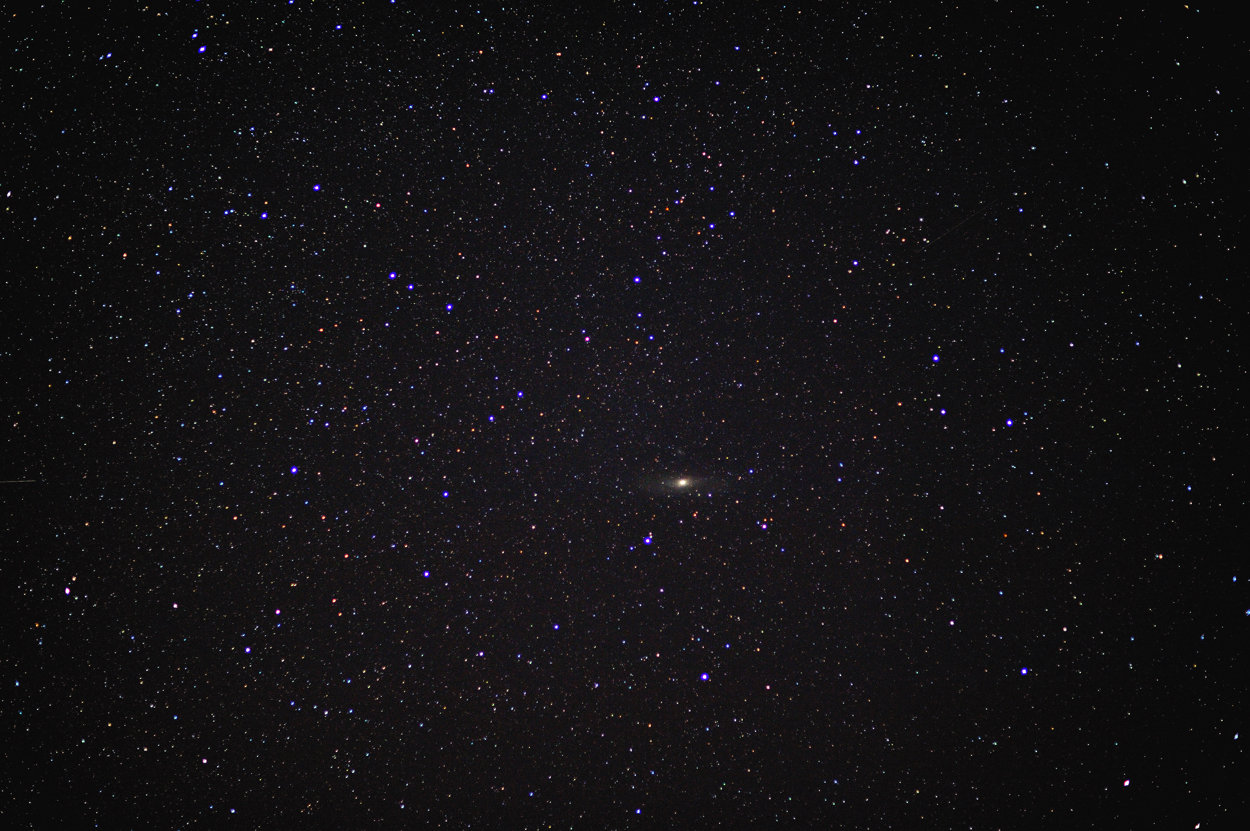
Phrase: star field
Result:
[676,415]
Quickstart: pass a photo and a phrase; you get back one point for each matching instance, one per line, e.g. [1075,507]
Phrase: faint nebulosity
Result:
[657,415]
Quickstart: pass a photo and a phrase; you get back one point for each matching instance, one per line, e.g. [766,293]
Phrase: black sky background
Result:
[935,310]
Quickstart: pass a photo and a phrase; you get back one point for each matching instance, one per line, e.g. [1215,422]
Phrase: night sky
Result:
[658,415]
